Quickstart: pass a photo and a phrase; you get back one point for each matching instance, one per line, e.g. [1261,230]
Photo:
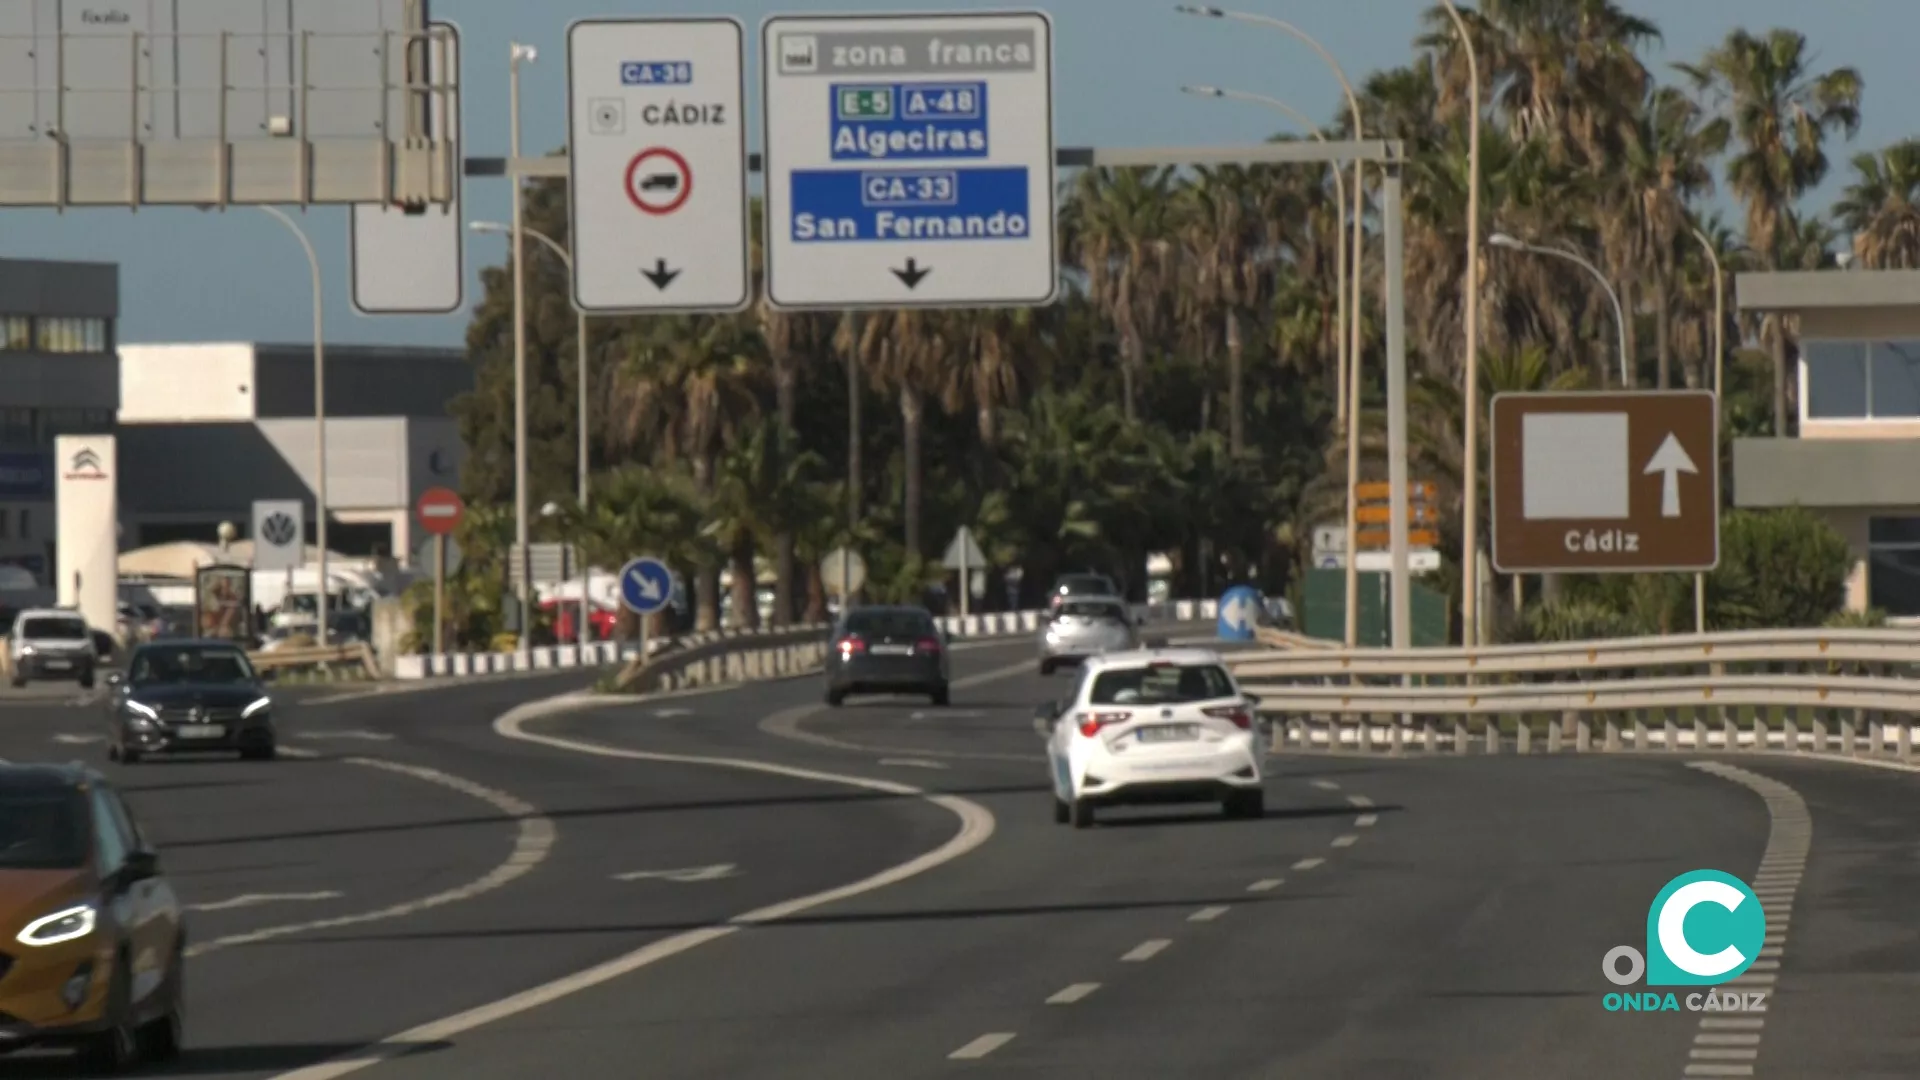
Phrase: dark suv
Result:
[887,650]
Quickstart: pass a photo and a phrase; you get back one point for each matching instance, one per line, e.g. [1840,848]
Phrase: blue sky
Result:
[189,276]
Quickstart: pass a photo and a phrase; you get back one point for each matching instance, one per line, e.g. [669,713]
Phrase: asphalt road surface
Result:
[558,903]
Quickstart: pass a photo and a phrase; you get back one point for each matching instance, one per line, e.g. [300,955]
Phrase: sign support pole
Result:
[1397,407]
[966,583]
[440,595]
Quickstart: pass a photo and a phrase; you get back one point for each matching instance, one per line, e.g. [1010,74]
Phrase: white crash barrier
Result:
[608,653]
[1795,690]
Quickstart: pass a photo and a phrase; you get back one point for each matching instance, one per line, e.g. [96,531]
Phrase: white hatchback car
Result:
[1153,726]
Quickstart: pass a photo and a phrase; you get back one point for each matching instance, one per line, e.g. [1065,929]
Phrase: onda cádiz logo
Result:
[1705,928]
[85,465]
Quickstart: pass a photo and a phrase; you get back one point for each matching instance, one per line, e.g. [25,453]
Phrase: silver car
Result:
[1086,626]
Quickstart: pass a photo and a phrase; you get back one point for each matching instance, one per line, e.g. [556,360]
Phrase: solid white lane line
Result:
[1326,785]
[1146,950]
[1703,1069]
[1266,884]
[531,845]
[1073,993]
[1366,820]
[911,763]
[976,827]
[1207,914]
[982,1046]
[255,899]
[1360,801]
[1308,864]
[1345,841]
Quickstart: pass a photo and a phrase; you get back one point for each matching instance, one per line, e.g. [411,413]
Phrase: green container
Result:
[1324,609]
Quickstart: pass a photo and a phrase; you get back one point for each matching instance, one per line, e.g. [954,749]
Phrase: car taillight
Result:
[1091,723]
[1241,716]
[851,645]
[927,645]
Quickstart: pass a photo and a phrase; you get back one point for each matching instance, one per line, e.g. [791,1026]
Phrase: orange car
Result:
[91,940]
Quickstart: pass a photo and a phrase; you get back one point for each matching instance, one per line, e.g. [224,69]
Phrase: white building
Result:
[207,429]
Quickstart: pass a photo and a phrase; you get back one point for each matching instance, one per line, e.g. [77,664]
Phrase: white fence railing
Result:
[606,653]
[1791,689]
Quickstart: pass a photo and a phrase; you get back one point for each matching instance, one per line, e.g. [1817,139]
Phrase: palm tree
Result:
[1880,208]
[1781,113]
[1119,226]
[1664,169]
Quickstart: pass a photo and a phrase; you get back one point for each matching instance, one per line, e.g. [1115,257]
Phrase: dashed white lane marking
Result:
[1146,950]
[530,848]
[1365,821]
[982,1046]
[1360,801]
[1073,993]
[256,899]
[976,828]
[911,763]
[1728,1046]
[1208,914]
[1326,785]
[1266,885]
[369,736]
[690,874]
[1345,841]
[1308,864]
[668,714]
[79,740]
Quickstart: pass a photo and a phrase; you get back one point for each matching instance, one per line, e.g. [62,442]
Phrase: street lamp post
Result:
[1359,281]
[580,343]
[1719,390]
[517,55]
[1470,495]
[319,419]
[1502,240]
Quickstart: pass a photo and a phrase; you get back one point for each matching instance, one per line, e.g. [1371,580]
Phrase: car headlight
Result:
[258,706]
[26,650]
[138,709]
[67,924]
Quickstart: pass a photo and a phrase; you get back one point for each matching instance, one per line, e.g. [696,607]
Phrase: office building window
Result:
[16,427]
[65,334]
[1893,565]
[1862,380]
[16,333]
[75,422]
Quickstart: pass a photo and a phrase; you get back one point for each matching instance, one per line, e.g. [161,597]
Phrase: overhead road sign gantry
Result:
[909,161]
[657,176]
[412,260]
[1606,482]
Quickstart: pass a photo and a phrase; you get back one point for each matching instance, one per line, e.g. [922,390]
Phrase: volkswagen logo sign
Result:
[278,529]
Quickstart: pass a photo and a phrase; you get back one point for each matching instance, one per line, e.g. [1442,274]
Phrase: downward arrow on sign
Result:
[1670,460]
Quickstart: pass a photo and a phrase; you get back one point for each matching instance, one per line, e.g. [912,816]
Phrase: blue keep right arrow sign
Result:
[646,585]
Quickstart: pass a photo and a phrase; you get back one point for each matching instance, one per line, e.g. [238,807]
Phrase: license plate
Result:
[200,731]
[1169,733]
[59,665]
[893,650]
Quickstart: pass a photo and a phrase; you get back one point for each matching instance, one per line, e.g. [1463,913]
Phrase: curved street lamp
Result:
[1359,258]
[319,423]
[1502,240]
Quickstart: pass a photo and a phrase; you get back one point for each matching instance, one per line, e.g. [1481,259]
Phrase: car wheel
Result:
[1046,668]
[115,1049]
[1246,804]
[1061,811]
[129,756]
[1082,814]
[19,682]
[163,1037]
[86,679]
[939,694]
[836,698]
[264,752]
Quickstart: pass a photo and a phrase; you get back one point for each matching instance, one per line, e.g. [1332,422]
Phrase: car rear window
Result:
[54,627]
[1094,609]
[1082,584]
[1161,684]
[890,623]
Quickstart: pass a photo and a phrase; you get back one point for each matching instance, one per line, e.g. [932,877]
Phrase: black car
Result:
[887,650]
[188,697]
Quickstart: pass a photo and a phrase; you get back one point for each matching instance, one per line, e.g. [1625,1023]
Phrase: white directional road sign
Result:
[414,264]
[279,534]
[909,160]
[657,164]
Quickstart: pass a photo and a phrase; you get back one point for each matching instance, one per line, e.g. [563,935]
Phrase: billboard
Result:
[87,543]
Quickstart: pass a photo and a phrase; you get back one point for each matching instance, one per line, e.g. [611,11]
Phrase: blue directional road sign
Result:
[1239,613]
[646,585]
[909,160]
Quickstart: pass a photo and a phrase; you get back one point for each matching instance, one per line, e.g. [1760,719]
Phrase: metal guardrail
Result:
[723,658]
[1794,689]
[358,655]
